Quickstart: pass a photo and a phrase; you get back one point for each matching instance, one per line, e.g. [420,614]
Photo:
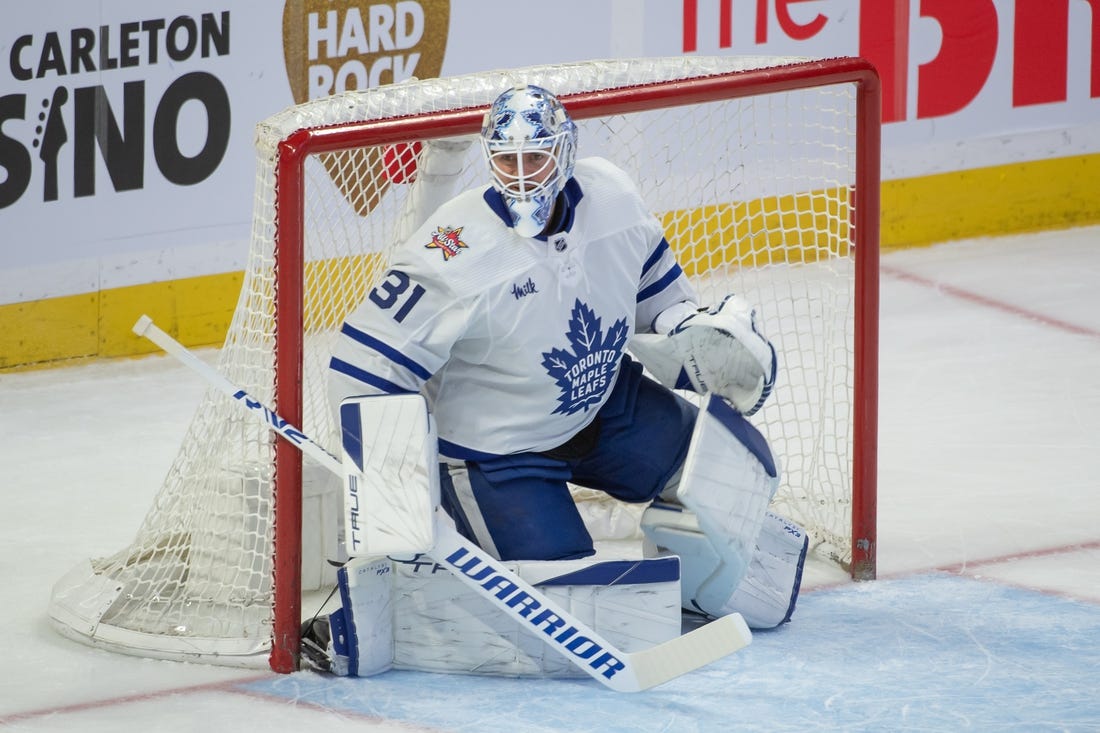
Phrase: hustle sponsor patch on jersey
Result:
[446,240]
[584,374]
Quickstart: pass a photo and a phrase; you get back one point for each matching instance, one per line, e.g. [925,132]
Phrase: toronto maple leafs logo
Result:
[585,374]
[446,239]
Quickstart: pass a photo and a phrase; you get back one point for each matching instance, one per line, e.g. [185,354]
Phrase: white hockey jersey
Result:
[516,342]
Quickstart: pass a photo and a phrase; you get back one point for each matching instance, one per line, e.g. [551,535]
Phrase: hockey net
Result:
[764,172]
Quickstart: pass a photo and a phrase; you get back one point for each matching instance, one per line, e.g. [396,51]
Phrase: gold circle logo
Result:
[333,46]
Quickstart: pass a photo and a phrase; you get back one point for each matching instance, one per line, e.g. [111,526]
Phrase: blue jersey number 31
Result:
[392,292]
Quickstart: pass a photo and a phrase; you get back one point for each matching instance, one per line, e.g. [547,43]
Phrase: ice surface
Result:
[986,615]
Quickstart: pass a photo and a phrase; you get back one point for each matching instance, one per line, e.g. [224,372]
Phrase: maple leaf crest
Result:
[584,374]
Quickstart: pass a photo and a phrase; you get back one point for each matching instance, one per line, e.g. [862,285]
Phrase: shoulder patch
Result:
[447,241]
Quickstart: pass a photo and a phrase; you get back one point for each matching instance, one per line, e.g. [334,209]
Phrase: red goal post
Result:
[765,173]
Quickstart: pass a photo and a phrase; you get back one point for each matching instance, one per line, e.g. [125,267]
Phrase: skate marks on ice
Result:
[933,652]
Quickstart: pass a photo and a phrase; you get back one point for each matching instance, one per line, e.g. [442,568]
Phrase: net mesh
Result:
[754,194]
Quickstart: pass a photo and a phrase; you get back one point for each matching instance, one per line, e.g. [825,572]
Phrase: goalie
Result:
[512,308]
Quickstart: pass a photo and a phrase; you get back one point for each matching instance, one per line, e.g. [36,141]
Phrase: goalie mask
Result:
[530,144]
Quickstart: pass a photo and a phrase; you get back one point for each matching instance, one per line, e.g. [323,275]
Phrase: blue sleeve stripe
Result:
[361,375]
[655,257]
[387,351]
[668,278]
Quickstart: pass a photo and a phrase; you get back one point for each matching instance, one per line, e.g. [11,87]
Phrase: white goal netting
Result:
[757,194]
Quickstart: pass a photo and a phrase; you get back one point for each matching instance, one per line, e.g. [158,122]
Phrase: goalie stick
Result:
[490,579]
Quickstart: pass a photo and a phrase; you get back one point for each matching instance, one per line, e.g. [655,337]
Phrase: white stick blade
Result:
[698,648]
